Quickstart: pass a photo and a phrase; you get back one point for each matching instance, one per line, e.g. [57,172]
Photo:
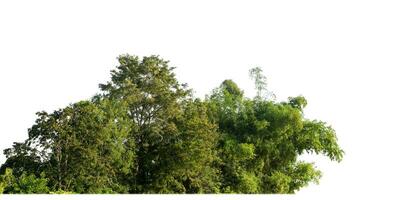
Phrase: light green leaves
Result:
[145,133]
[24,184]
[262,139]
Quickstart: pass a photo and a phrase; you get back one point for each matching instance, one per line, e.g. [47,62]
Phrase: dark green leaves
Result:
[145,133]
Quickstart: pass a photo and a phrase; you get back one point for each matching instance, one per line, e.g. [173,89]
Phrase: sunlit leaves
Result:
[262,139]
[145,133]
[23,184]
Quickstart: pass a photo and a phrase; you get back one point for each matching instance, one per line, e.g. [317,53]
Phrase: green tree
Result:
[84,148]
[22,158]
[174,139]
[24,184]
[261,141]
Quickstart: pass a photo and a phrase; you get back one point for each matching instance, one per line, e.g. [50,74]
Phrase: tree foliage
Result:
[24,184]
[145,133]
[261,141]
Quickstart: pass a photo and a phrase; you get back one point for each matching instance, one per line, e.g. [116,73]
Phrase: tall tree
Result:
[174,139]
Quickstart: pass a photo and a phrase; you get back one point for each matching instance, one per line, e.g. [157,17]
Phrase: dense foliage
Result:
[145,133]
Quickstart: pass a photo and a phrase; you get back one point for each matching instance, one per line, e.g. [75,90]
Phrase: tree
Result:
[174,139]
[24,184]
[21,158]
[261,141]
[82,148]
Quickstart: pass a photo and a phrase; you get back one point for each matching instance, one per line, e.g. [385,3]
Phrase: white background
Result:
[336,53]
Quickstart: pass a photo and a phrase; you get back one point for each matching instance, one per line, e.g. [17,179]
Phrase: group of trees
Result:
[145,133]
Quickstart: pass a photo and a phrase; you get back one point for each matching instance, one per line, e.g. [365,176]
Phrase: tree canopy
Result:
[144,132]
